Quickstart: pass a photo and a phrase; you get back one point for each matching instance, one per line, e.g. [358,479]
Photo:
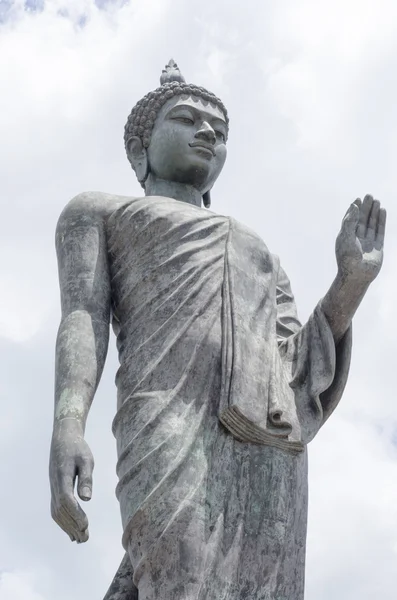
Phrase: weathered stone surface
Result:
[220,388]
[122,586]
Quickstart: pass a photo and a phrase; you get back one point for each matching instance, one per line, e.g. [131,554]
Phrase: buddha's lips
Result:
[203,145]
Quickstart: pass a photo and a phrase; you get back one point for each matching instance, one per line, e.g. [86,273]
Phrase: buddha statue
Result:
[220,387]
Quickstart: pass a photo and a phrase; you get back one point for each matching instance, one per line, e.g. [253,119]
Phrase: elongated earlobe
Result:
[137,155]
[207,199]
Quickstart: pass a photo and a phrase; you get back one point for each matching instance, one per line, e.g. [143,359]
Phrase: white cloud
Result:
[18,586]
[387,294]
[27,298]
[353,512]
[324,52]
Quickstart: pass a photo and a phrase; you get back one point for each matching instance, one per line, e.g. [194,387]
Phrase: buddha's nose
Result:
[206,133]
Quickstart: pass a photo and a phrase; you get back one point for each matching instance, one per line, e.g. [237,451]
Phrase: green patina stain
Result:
[69,404]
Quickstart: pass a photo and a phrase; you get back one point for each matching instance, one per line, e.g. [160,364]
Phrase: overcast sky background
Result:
[311,90]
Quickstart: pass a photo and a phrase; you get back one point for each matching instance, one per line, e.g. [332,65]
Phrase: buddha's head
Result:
[178,133]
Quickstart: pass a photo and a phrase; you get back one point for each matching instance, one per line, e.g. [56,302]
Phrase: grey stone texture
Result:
[220,388]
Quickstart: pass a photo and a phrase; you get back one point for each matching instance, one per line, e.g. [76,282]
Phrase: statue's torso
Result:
[177,464]
[167,262]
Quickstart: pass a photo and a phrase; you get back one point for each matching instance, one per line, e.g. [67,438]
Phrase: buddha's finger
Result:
[58,521]
[84,474]
[63,520]
[350,221]
[84,535]
[365,210]
[73,524]
[357,202]
[68,524]
[74,532]
[66,500]
[61,489]
[381,228]
[373,221]
[76,514]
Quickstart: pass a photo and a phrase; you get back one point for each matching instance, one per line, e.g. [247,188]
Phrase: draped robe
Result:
[220,389]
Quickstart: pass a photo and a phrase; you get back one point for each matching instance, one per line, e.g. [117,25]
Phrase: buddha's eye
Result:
[220,135]
[186,120]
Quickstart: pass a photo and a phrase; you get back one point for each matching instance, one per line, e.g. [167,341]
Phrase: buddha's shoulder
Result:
[93,205]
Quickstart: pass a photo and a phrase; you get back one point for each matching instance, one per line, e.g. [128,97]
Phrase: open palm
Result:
[359,245]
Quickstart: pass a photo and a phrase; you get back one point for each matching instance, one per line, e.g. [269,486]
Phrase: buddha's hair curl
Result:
[144,114]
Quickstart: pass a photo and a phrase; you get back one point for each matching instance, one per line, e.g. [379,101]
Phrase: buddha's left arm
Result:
[315,366]
[359,254]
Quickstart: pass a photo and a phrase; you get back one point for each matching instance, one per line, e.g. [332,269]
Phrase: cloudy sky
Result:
[311,90]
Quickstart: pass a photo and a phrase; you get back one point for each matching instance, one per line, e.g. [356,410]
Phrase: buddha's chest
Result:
[159,244]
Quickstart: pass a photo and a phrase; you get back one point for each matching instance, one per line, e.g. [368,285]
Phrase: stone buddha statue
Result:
[220,387]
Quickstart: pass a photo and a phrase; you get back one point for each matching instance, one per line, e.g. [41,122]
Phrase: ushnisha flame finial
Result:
[171,73]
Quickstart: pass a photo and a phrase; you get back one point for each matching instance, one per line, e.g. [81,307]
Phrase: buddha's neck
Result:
[171,189]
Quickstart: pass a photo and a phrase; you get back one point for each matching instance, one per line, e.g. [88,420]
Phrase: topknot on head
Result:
[171,73]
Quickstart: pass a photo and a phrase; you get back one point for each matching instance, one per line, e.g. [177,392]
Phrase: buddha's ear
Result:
[137,155]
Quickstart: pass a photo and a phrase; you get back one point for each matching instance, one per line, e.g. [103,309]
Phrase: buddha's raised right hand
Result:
[70,459]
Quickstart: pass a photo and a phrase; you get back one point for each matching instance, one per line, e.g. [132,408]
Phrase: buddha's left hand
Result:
[359,245]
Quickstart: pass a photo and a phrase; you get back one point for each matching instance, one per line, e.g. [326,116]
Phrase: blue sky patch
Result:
[34,5]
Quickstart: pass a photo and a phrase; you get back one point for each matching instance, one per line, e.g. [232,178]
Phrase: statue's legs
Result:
[238,534]
[174,566]
[122,586]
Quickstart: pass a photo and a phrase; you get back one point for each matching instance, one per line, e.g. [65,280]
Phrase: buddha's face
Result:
[188,142]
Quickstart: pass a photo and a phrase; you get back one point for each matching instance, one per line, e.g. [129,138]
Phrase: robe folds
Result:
[220,389]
